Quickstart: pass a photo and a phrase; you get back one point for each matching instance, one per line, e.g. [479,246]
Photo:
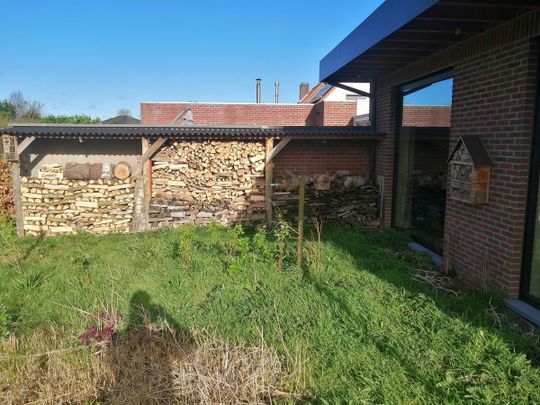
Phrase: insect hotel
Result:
[470,171]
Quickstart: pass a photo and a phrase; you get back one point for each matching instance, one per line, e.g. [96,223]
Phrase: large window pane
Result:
[423,144]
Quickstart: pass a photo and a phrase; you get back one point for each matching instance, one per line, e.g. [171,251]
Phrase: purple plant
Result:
[103,332]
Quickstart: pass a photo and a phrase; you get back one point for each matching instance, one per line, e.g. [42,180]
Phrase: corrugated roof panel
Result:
[195,132]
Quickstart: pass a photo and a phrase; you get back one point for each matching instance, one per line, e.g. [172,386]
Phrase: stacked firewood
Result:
[61,206]
[6,191]
[340,197]
[203,181]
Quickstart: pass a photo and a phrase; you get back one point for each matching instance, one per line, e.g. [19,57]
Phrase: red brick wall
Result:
[324,113]
[317,157]
[338,112]
[426,116]
[493,96]
[386,115]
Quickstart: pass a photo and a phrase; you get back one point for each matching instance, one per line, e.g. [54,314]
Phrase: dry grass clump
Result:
[218,372]
[438,280]
[165,369]
[43,369]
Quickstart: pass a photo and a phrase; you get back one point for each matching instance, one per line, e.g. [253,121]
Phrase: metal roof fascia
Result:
[387,18]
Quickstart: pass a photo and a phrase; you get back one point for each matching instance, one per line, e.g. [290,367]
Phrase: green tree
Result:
[7,110]
[69,119]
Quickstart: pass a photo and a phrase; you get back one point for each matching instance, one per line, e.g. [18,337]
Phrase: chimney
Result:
[304,89]
[258,92]
[276,92]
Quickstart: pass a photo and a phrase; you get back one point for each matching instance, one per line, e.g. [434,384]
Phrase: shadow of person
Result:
[143,313]
[141,357]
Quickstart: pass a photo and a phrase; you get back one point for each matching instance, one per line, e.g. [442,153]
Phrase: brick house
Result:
[490,50]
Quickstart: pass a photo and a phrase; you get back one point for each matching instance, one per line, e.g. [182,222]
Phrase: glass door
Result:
[422,147]
[421,184]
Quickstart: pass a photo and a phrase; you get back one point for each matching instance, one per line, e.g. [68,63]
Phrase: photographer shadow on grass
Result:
[141,356]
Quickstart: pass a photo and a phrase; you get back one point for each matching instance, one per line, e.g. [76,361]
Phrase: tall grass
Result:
[367,331]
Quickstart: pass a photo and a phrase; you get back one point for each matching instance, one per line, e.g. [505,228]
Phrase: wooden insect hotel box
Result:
[470,171]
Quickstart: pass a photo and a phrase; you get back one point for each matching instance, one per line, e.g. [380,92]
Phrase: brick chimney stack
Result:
[304,89]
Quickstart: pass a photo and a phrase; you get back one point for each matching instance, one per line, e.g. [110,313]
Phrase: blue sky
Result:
[95,57]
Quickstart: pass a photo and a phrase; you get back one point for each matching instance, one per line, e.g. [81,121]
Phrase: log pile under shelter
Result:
[340,197]
[120,179]
[201,181]
[62,206]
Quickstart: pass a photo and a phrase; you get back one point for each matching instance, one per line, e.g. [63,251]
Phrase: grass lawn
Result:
[361,329]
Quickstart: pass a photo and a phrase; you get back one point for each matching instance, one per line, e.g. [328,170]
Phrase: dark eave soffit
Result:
[401,32]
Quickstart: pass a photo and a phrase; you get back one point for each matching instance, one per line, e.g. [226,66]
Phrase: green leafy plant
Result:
[184,246]
[282,234]
[238,249]
[263,248]
[30,281]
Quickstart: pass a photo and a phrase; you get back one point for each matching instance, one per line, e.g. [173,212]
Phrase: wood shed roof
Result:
[190,132]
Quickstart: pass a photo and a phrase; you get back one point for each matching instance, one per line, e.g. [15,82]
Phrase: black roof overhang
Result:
[191,132]
[401,32]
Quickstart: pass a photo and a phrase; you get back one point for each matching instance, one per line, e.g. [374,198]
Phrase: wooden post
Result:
[373,164]
[17,197]
[147,168]
[269,177]
[140,209]
[301,198]
[11,153]
[12,150]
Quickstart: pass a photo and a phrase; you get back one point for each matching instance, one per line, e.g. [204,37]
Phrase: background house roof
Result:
[122,119]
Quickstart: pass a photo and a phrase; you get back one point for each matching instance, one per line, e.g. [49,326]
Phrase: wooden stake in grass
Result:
[301,198]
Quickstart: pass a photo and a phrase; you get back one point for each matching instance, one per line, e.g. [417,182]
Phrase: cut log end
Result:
[122,170]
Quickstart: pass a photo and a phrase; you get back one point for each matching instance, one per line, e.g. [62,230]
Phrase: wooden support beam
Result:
[17,194]
[269,177]
[150,152]
[17,197]
[301,202]
[270,155]
[372,163]
[25,144]
[147,168]
[142,188]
